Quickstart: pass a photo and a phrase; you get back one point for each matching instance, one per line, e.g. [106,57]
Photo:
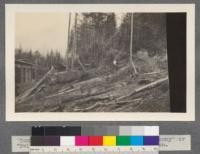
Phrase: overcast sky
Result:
[42,31]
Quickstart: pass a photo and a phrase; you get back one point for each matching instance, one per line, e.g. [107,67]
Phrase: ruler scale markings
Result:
[96,153]
[93,149]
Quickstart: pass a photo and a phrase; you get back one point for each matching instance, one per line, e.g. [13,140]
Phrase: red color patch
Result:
[96,140]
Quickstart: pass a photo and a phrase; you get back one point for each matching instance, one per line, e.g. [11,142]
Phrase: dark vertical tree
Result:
[149,32]
[109,26]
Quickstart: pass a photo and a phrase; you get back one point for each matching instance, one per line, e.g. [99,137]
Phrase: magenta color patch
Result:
[81,140]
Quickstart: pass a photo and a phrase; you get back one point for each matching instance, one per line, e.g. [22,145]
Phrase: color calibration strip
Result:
[95,131]
[88,139]
[95,140]
[95,136]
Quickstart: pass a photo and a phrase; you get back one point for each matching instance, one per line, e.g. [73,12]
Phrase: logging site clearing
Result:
[98,91]
[106,68]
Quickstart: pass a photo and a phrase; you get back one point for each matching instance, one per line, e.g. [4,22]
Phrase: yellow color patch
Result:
[109,140]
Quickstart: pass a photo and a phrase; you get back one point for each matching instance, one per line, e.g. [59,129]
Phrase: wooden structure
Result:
[24,72]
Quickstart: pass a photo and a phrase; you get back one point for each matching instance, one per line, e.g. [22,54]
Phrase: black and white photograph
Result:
[107,61]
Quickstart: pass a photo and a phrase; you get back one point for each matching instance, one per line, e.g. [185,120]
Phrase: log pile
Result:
[113,92]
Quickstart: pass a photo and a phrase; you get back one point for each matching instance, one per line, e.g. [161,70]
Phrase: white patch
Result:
[114,62]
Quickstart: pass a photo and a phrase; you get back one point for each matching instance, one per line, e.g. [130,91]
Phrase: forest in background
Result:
[35,57]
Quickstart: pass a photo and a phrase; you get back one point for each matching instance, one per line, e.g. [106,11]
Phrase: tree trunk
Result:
[131,46]
[68,40]
[75,42]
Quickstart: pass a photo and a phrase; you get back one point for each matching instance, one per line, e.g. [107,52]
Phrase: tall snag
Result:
[131,46]
[68,40]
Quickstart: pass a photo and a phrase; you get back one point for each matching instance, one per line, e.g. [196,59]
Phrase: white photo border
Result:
[11,115]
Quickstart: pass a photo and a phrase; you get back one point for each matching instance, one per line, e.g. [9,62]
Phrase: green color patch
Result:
[123,140]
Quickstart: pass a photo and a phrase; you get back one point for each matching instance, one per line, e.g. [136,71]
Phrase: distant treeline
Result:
[99,40]
[53,58]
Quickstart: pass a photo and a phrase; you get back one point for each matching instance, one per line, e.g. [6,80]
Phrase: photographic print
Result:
[79,63]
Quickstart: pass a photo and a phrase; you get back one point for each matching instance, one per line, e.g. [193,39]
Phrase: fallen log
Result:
[103,104]
[64,77]
[151,85]
[128,101]
[113,95]
[90,82]
[152,73]
[27,93]
[89,85]
[87,97]
[86,109]
[61,93]
[109,95]
[102,79]
[81,91]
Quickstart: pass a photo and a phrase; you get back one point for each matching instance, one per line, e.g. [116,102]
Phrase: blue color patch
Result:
[137,140]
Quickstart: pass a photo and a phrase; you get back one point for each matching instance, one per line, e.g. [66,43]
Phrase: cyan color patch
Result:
[137,140]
